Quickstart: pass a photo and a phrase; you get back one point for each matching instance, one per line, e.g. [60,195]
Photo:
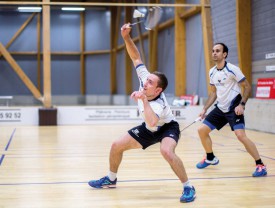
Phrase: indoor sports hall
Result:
[69,91]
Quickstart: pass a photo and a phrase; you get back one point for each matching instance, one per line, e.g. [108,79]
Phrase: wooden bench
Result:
[7,99]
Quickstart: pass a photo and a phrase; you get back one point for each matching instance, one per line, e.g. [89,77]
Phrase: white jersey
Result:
[226,82]
[159,104]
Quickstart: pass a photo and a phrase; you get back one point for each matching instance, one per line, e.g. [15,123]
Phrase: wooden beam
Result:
[180,52]
[38,56]
[20,72]
[207,39]
[166,24]
[47,56]
[191,12]
[243,32]
[82,55]
[23,26]
[153,49]
[97,52]
[66,53]
[108,4]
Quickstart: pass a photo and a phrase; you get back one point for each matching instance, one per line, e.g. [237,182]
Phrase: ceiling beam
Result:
[98,4]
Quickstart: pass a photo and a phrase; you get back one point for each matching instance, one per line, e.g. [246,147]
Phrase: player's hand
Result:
[125,30]
[138,95]
[239,110]
[202,114]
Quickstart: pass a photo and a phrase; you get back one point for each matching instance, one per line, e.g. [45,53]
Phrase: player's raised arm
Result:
[130,45]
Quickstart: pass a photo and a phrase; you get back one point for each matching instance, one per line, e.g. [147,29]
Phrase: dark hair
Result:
[163,82]
[225,48]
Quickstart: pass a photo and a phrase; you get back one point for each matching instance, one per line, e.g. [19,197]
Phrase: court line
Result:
[29,155]
[7,147]
[130,181]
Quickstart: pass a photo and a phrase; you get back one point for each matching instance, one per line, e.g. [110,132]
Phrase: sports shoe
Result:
[188,194]
[260,171]
[104,182]
[204,163]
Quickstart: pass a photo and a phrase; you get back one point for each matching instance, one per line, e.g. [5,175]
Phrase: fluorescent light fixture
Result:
[73,8]
[29,9]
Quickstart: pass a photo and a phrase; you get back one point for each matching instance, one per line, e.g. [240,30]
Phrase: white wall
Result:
[260,115]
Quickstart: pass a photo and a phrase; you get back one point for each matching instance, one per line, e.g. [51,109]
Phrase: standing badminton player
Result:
[159,125]
[226,81]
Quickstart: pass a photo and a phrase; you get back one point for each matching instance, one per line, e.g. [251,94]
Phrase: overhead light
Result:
[29,9]
[73,8]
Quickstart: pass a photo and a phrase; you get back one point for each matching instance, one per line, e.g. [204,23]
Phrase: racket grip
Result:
[198,119]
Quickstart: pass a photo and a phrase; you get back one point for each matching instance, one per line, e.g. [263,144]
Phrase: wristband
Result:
[242,103]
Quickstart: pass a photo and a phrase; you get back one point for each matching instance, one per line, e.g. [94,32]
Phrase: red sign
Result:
[190,99]
[266,88]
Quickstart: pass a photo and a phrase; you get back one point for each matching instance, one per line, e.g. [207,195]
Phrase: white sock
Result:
[112,176]
[187,183]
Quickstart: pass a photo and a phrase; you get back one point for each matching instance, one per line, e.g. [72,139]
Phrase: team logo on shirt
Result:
[136,132]
[219,83]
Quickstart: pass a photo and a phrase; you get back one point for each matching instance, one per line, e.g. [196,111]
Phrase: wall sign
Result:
[266,88]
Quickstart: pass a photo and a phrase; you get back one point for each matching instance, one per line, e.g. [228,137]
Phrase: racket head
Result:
[153,17]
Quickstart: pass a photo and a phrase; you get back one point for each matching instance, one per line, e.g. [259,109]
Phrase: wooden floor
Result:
[50,167]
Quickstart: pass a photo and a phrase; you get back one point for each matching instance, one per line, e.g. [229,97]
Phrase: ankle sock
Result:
[259,162]
[112,176]
[187,183]
[210,156]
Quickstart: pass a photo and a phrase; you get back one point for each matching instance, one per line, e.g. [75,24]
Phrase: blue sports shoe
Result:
[260,171]
[188,195]
[204,163]
[104,182]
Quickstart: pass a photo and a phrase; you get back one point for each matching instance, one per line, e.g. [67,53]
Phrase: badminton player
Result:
[159,126]
[227,82]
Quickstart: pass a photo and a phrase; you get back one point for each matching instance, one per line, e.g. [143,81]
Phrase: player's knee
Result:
[116,146]
[202,131]
[167,154]
[241,136]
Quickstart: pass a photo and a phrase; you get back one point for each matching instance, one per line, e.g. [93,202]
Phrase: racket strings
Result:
[153,17]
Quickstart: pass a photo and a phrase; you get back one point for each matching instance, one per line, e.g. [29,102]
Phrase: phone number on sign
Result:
[10,115]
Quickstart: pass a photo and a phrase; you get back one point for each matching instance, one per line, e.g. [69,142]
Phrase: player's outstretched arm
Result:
[130,45]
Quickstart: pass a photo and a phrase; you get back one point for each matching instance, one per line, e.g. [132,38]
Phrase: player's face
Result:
[150,88]
[217,53]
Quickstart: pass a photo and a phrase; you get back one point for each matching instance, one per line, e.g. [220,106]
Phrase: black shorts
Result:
[217,119]
[147,138]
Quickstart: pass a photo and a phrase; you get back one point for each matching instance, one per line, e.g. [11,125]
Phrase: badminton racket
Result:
[197,119]
[151,19]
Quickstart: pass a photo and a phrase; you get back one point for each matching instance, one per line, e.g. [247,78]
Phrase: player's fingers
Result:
[133,94]
[124,27]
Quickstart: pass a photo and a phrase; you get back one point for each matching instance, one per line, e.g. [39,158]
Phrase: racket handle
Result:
[198,119]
